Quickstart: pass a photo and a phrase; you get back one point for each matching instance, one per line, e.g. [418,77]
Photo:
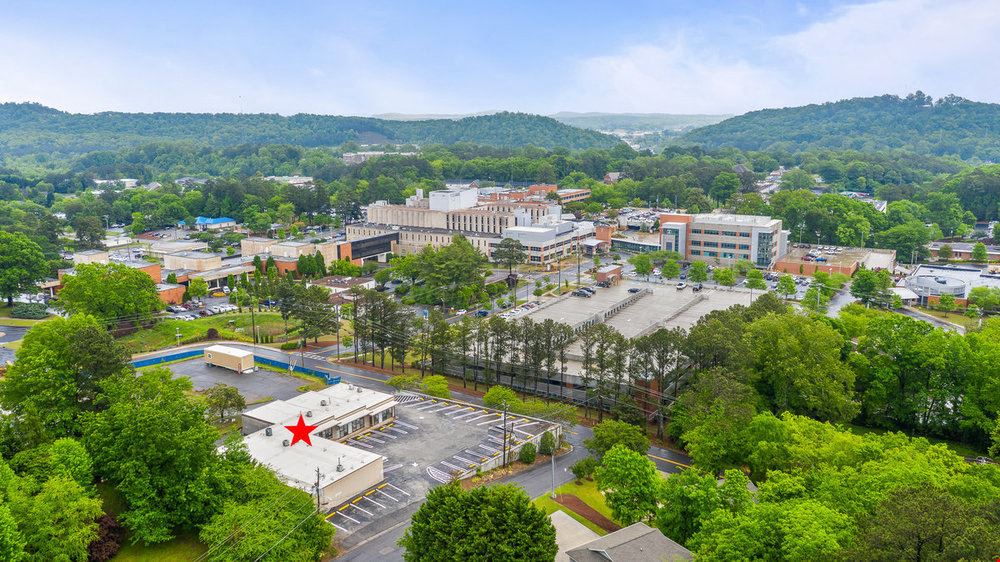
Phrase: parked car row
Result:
[515,312]
[585,292]
[210,311]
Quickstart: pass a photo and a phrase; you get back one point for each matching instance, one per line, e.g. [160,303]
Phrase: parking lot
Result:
[431,442]
[260,386]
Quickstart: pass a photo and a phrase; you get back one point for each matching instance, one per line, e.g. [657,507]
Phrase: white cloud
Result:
[892,46]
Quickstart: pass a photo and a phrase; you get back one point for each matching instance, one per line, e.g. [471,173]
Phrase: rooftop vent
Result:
[284,442]
[309,413]
[359,390]
[269,432]
[322,402]
[340,467]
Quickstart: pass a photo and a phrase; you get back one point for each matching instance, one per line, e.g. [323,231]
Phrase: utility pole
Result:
[553,458]
[317,488]
[504,433]
[578,264]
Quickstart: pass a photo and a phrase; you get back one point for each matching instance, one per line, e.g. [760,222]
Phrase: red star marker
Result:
[300,431]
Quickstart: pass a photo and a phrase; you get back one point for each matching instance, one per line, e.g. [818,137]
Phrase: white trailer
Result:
[230,358]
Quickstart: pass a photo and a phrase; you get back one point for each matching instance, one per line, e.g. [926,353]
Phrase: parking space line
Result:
[355,506]
[527,424]
[488,448]
[362,443]
[460,410]
[428,406]
[467,414]
[487,422]
[448,407]
[397,430]
[337,526]
[374,502]
[388,496]
[463,459]
[451,466]
[392,467]
[398,488]
[375,439]
[404,424]
[344,515]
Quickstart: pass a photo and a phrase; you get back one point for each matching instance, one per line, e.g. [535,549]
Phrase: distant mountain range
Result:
[625,122]
[27,128]
[916,123]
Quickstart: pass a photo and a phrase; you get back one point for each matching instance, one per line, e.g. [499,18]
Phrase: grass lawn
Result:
[310,382]
[958,448]
[587,491]
[164,333]
[953,317]
[183,547]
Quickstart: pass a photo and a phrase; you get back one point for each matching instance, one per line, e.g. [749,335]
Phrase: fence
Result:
[328,378]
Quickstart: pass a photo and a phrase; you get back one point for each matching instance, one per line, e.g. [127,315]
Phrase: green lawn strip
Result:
[313,383]
[550,506]
[956,317]
[164,333]
[588,493]
[20,322]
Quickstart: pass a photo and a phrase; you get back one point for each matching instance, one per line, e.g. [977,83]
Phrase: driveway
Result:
[256,387]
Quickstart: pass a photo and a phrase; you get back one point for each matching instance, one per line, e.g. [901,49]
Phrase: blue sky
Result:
[362,58]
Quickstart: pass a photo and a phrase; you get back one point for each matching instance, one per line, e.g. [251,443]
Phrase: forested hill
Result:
[33,128]
[950,126]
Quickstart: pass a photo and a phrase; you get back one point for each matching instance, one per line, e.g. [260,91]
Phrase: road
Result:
[378,544]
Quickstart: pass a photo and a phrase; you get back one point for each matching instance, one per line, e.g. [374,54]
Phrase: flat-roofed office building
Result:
[723,238]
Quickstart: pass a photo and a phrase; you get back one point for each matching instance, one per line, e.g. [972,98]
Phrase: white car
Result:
[681,286]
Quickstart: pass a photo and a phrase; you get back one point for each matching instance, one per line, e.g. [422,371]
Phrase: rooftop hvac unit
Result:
[322,402]
[268,431]
[284,442]
[309,413]
[359,390]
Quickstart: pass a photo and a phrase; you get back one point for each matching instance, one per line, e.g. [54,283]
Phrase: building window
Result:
[695,231]
[357,424]
[696,242]
[712,232]
[728,255]
[744,246]
[711,244]
[695,252]
[744,235]
[728,233]
[711,254]
[729,245]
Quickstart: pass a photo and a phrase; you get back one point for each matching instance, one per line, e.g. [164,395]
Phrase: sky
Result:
[440,56]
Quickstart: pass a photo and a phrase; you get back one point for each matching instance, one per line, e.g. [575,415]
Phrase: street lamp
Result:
[178,336]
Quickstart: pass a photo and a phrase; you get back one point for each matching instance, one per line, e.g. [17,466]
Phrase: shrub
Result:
[584,468]
[547,445]
[497,395]
[527,454]
[436,385]
[29,310]
[404,382]
[291,345]
[212,334]
[609,433]
[110,534]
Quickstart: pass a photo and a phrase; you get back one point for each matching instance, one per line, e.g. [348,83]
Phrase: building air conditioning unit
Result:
[359,390]
[322,402]
[268,431]
[284,442]
[309,413]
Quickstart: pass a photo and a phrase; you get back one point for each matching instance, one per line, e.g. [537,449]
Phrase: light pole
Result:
[178,336]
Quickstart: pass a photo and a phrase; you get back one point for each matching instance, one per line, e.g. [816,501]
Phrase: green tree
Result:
[488,523]
[89,232]
[111,292]
[927,523]
[944,252]
[724,276]
[609,433]
[58,372]
[156,447]
[527,453]
[547,444]
[724,185]
[698,272]
[197,288]
[797,178]
[687,499]
[643,265]
[583,468]
[946,303]
[12,542]
[22,264]
[871,287]
[224,400]
[798,367]
[59,522]
[979,254]
[68,457]
[755,280]
[996,232]
[671,269]
[786,286]
[509,252]
[630,484]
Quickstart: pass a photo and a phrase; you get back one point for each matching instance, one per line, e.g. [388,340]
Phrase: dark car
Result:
[634,290]
[583,294]
[697,287]
[482,313]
